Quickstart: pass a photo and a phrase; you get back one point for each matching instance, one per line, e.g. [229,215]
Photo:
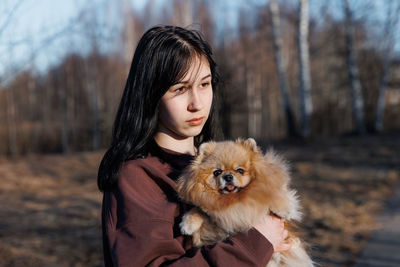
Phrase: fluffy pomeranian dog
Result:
[232,186]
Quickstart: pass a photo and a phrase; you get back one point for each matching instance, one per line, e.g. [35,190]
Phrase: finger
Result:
[284,247]
[272,220]
[285,234]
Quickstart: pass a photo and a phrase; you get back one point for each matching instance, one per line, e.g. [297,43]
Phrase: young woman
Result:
[165,113]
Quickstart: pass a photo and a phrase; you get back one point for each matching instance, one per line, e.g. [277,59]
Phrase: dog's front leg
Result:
[191,222]
[191,225]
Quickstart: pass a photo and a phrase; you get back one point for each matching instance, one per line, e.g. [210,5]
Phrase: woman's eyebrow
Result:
[181,82]
[205,77]
[185,82]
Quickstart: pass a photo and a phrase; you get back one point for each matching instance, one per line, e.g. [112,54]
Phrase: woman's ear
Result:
[249,143]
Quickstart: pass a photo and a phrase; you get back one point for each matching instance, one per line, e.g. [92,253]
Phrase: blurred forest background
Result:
[324,76]
[285,70]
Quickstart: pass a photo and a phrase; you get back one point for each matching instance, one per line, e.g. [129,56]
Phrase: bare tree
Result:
[65,127]
[353,72]
[92,86]
[92,71]
[130,32]
[10,103]
[281,70]
[391,24]
[183,12]
[45,109]
[305,101]
[65,94]
[11,122]
[9,16]
[205,19]
[187,12]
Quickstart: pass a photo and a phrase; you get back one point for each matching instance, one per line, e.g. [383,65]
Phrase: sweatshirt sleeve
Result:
[138,230]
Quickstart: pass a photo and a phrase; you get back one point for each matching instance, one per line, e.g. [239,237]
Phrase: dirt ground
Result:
[50,205]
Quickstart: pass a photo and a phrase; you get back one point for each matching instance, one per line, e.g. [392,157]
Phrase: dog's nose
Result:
[228,178]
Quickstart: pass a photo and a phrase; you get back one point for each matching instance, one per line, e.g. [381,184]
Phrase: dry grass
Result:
[49,211]
[50,205]
[343,185]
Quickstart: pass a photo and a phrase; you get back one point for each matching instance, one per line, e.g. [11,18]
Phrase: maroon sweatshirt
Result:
[141,216]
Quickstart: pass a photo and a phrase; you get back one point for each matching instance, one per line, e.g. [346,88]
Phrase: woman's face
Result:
[185,107]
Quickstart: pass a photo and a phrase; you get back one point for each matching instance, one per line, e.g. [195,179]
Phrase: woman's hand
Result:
[273,228]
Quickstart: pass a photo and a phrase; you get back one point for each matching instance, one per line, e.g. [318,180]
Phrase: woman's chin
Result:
[195,131]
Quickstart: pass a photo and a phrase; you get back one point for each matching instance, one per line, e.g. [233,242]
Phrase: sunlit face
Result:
[185,107]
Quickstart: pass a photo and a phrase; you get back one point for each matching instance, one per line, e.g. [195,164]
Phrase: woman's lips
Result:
[196,121]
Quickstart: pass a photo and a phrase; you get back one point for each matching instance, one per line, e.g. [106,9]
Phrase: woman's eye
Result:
[180,90]
[217,172]
[240,170]
[205,84]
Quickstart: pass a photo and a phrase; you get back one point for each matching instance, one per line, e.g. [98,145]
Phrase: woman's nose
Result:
[195,102]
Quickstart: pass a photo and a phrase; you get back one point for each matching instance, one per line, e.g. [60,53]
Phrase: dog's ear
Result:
[206,149]
[250,143]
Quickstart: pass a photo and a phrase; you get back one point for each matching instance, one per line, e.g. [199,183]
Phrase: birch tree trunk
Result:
[353,73]
[283,84]
[305,101]
[391,23]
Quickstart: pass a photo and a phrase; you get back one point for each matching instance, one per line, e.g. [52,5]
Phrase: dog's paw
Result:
[191,222]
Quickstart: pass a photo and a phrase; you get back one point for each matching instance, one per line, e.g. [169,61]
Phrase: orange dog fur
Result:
[232,186]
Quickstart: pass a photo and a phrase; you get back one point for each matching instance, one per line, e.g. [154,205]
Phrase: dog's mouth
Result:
[230,188]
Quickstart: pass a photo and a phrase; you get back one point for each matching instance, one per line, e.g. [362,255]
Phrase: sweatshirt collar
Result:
[178,161]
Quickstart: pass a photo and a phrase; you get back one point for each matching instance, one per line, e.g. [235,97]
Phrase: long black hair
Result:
[162,58]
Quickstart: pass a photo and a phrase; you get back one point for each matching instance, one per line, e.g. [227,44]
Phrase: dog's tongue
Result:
[230,187]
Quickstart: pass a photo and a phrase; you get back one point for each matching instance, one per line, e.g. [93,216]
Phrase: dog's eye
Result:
[217,172]
[240,170]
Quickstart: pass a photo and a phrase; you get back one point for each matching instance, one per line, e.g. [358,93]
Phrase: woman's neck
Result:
[184,146]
